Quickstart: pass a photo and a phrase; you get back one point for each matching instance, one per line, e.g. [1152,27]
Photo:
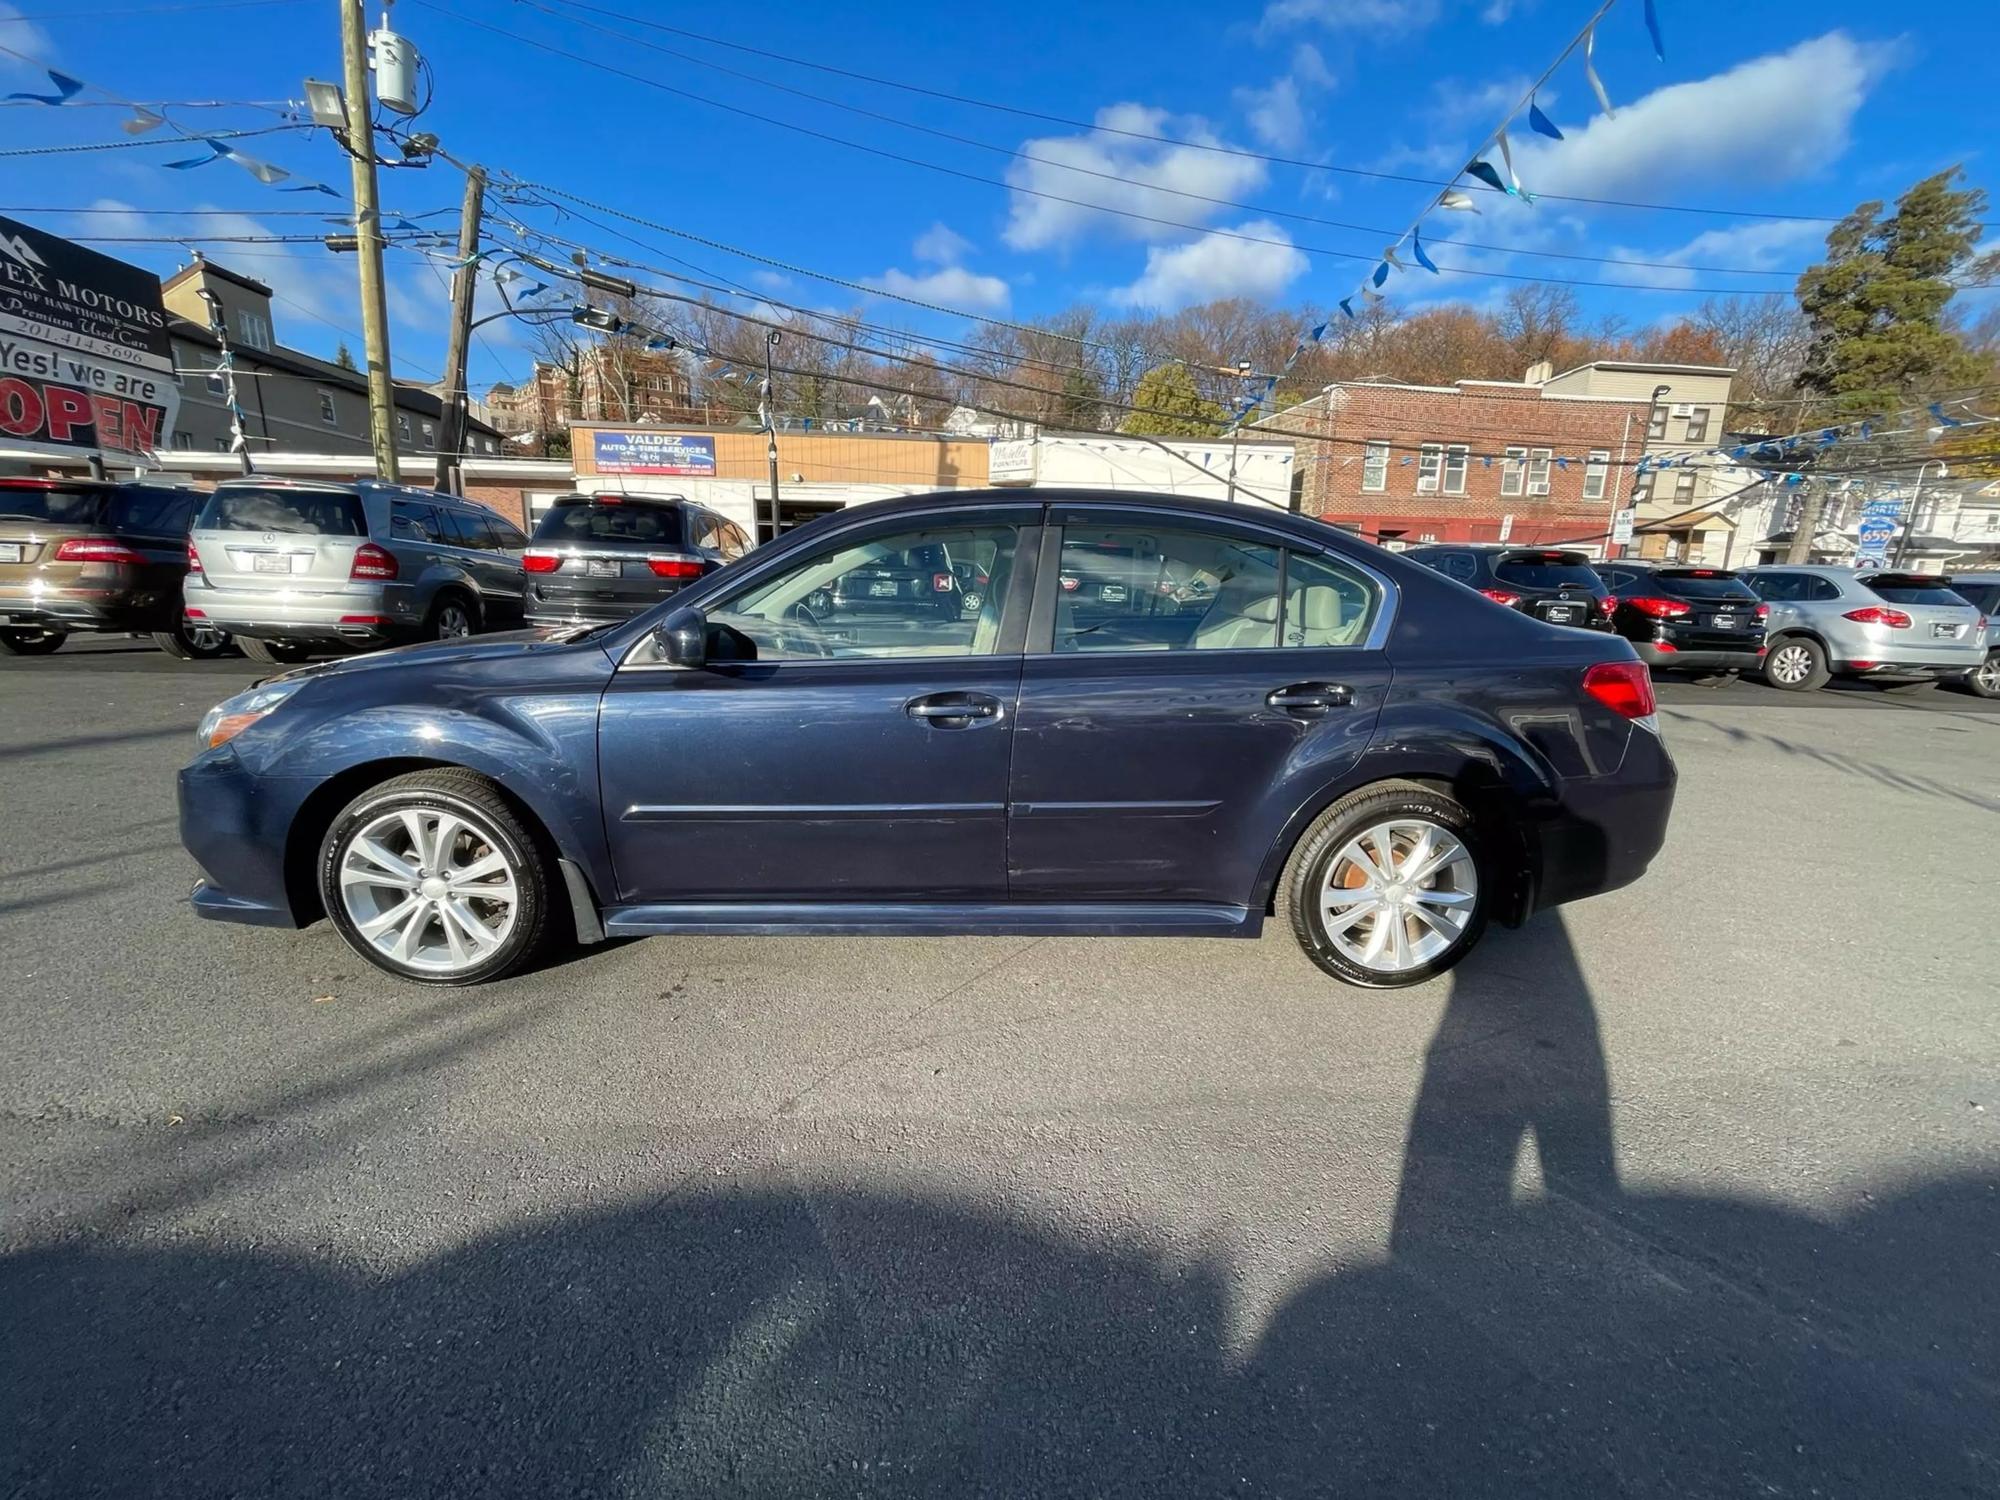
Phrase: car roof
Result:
[1190,505]
[1824,570]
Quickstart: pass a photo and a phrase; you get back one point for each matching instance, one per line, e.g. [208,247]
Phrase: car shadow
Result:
[1530,1326]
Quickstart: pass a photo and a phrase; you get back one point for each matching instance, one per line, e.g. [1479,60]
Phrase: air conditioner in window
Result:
[1395,544]
[1683,408]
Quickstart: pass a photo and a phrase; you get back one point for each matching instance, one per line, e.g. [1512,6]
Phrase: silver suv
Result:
[1983,590]
[1828,622]
[290,566]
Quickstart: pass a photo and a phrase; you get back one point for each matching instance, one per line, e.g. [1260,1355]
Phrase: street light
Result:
[1916,498]
[771,337]
[1243,372]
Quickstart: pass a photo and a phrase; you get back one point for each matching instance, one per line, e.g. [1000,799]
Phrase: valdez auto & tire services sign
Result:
[653,453]
[85,361]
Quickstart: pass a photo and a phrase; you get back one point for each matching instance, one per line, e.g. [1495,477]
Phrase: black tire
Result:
[1796,664]
[447,609]
[284,653]
[1319,850]
[1984,680]
[32,642]
[190,644]
[490,823]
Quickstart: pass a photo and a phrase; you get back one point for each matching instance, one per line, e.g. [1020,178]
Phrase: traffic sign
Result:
[1874,532]
[1621,525]
[1867,560]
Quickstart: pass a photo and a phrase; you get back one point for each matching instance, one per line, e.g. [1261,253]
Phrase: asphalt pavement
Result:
[1692,1189]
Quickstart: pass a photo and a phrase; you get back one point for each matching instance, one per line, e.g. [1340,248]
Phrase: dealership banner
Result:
[653,453]
[51,398]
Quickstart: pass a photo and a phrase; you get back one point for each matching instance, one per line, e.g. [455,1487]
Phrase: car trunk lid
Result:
[280,538]
[1937,612]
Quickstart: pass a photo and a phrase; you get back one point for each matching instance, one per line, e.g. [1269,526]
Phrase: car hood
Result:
[440,653]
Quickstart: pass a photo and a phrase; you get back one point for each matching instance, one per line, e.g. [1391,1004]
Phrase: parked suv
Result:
[287,566]
[595,558]
[1982,592]
[1551,584]
[87,555]
[1684,618]
[1835,622]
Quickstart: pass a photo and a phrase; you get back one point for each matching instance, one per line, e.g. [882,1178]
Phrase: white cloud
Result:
[1756,246]
[1770,120]
[23,36]
[1382,17]
[771,281]
[1277,114]
[1135,171]
[941,245]
[951,286]
[1217,266]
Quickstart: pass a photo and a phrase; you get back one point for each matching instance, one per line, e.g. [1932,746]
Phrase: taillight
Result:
[1608,605]
[674,567]
[194,559]
[540,562]
[1659,609]
[1874,614]
[941,583]
[1763,611]
[98,549]
[1501,596]
[1624,687]
[371,561]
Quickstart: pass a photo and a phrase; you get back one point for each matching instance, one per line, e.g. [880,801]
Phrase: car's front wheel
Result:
[433,877]
[193,640]
[1796,663]
[1385,889]
[1984,679]
[31,642]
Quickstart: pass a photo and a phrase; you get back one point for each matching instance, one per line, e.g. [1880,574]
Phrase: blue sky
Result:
[1775,109]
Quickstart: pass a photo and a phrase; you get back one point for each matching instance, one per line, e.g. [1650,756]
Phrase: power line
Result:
[213,135]
[930,166]
[150,10]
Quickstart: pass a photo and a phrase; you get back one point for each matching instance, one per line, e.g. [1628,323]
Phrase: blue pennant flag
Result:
[1417,249]
[1794,480]
[1867,430]
[1347,306]
[1319,333]
[1936,409]
[1381,273]
[1653,30]
[1540,123]
[1483,170]
[1562,463]
[311,187]
[67,88]
[1485,460]
[216,152]
[1829,436]
[1407,460]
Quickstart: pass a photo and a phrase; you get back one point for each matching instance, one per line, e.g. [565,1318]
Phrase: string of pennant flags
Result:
[1480,168]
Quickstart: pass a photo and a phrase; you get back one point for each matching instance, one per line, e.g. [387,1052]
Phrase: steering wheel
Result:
[813,643]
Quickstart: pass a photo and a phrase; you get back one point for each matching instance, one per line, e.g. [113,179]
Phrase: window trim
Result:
[329,409]
[1430,468]
[1368,450]
[1462,453]
[1597,468]
[1701,412]
[1540,459]
[1513,472]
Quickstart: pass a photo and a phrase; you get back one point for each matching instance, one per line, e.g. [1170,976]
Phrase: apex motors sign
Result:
[85,361]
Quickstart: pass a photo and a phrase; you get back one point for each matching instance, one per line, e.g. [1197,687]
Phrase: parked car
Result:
[1683,618]
[89,556]
[1340,736]
[289,566]
[604,557]
[1982,592]
[1551,583]
[1834,622]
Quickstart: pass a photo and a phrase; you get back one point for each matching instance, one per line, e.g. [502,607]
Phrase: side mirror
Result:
[683,638]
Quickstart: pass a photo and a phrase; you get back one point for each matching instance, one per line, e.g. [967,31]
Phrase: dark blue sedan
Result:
[1164,717]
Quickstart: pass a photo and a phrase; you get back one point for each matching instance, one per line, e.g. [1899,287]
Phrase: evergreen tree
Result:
[344,357]
[1170,405]
[1080,406]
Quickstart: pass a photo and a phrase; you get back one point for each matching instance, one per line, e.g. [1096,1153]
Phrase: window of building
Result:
[430,436]
[1595,470]
[1430,464]
[403,425]
[215,382]
[1514,471]
[1538,471]
[1683,488]
[253,328]
[328,412]
[1456,458]
[1375,466]
[222,445]
[183,440]
[1697,424]
[1656,424]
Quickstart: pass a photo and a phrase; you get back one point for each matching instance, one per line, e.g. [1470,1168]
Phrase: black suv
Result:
[596,558]
[1550,583]
[1685,618]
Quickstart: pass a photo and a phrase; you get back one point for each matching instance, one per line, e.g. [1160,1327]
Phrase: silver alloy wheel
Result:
[204,636]
[453,621]
[1987,676]
[1398,895]
[430,888]
[1790,664]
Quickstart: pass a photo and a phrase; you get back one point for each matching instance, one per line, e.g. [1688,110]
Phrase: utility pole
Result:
[1910,515]
[464,283]
[368,232]
[771,426]
[1799,550]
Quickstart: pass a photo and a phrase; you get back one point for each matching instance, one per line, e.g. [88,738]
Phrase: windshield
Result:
[1914,588]
[56,505]
[585,522]
[293,512]
[1547,570]
[1702,583]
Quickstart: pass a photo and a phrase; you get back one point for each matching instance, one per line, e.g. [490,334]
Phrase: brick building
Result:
[1480,460]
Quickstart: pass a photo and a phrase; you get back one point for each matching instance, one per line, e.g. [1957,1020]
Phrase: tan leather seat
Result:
[1237,620]
[1318,617]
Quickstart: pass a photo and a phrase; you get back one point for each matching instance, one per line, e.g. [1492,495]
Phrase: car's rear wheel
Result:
[451,618]
[31,642]
[1385,889]
[1795,664]
[283,652]
[433,877]
[193,640]
[1984,679]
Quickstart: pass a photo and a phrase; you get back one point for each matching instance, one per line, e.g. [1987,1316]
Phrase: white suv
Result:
[1834,622]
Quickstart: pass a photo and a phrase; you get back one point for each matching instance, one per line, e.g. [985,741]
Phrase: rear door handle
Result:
[1310,699]
[953,710]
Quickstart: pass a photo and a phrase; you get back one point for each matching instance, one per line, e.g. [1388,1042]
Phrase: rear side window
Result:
[1460,565]
[410,522]
[580,523]
[470,530]
[293,512]
[1545,570]
[1913,588]
[150,511]
[58,505]
[1702,583]
[1984,597]
[512,538]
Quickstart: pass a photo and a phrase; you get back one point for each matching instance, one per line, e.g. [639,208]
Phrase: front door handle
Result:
[1310,699]
[953,710]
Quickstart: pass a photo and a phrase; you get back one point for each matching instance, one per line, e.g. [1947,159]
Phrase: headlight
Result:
[232,716]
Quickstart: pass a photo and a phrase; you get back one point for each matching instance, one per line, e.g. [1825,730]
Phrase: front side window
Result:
[932,591]
[1538,471]
[1514,472]
[1375,466]
[1456,458]
[1595,470]
[1779,586]
[1430,464]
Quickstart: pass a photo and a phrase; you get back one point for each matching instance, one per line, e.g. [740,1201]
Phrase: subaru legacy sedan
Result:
[1336,737]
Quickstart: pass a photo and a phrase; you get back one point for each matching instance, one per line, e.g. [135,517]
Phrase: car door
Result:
[496,573]
[825,754]
[1197,685]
